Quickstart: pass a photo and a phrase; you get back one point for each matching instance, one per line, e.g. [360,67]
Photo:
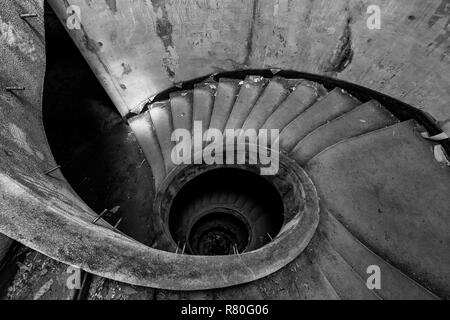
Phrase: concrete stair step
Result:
[394,284]
[181,107]
[304,95]
[302,279]
[227,91]
[204,96]
[241,201]
[346,282]
[334,104]
[251,89]
[389,191]
[365,118]
[276,91]
[144,131]
[162,123]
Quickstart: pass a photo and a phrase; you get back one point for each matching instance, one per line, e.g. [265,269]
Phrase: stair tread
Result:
[364,118]
[201,200]
[250,91]
[276,91]
[304,95]
[146,136]
[342,277]
[215,197]
[227,91]
[302,279]
[162,122]
[394,285]
[181,107]
[334,104]
[224,196]
[204,96]
[232,197]
[380,184]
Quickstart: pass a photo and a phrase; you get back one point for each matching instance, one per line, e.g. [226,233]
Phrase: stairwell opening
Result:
[218,233]
[241,213]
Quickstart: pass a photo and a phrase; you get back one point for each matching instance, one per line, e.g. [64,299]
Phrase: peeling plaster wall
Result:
[138,48]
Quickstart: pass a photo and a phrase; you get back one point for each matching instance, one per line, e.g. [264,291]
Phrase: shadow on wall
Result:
[96,149]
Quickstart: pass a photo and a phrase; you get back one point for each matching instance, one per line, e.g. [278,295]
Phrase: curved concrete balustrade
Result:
[61,231]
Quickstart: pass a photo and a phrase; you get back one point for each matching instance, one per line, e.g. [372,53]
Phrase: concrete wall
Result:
[138,48]
[22,64]
[25,192]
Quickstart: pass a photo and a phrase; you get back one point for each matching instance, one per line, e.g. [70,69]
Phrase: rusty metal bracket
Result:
[25,16]
[52,170]
[15,88]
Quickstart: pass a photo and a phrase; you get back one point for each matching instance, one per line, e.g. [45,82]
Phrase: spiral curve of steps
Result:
[352,150]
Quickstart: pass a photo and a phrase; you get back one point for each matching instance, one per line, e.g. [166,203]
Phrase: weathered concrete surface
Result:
[5,244]
[20,47]
[141,47]
[364,118]
[40,278]
[106,289]
[388,190]
[395,284]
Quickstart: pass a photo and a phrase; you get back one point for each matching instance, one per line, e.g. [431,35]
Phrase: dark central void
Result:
[218,233]
[225,211]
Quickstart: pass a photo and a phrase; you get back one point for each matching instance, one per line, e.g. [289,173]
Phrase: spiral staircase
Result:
[363,182]
[368,166]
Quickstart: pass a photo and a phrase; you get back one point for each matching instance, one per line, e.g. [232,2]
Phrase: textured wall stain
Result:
[343,54]
[10,187]
[20,138]
[16,39]
[91,44]
[442,13]
[308,13]
[251,32]
[126,69]
[164,31]
[112,5]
